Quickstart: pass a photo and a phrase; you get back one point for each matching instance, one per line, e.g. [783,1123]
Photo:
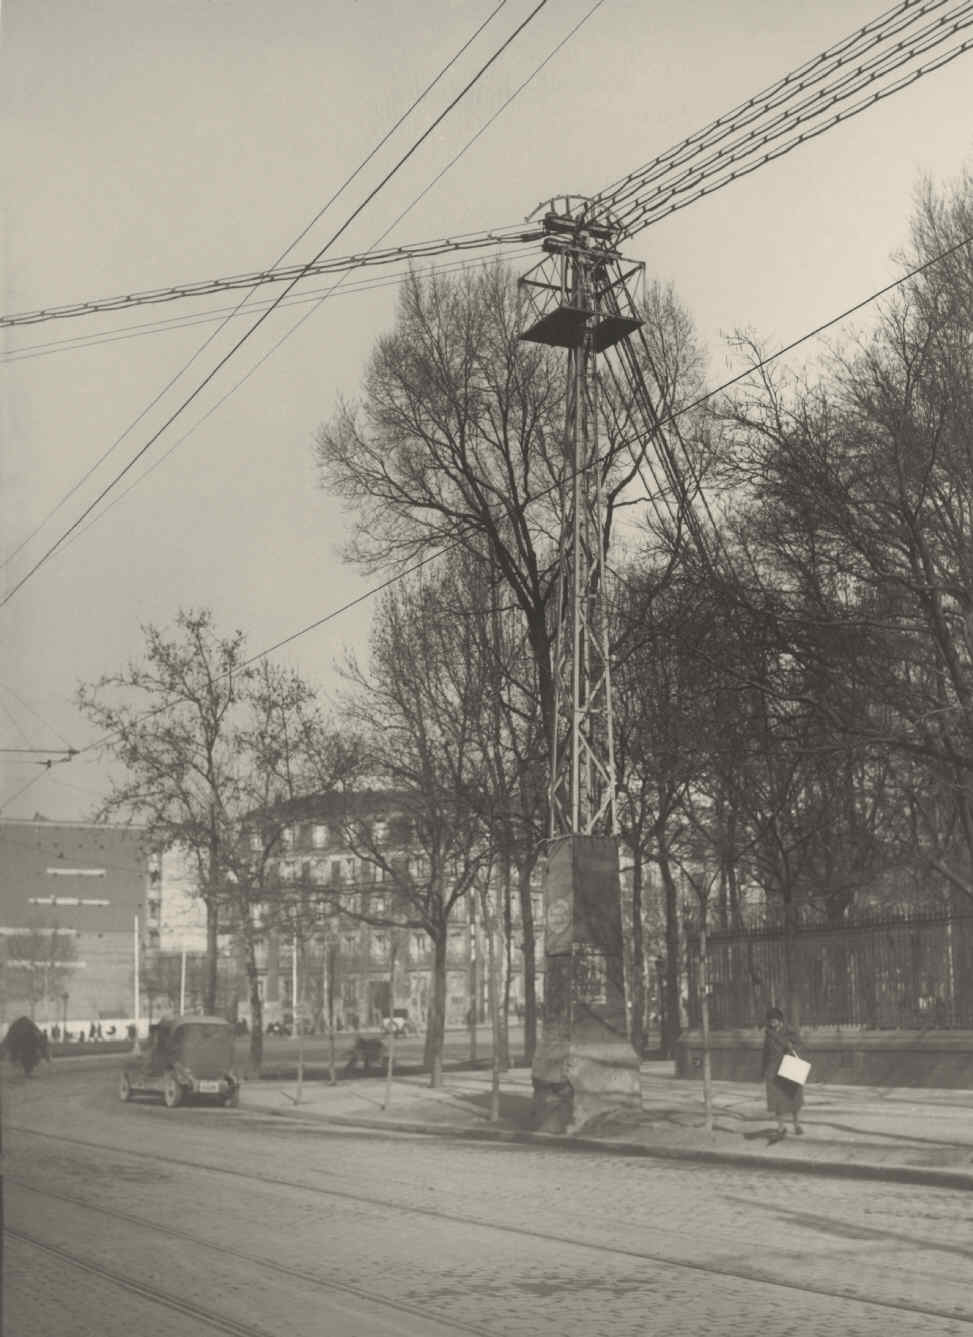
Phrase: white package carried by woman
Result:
[794,1069]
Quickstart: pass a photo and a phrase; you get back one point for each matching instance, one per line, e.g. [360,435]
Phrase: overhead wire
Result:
[252,288]
[665,208]
[457,542]
[273,306]
[667,198]
[329,292]
[423,250]
[780,352]
[30,709]
[797,82]
[814,71]
[25,352]
[174,446]
[805,76]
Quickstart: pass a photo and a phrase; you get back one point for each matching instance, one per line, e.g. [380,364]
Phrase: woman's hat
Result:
[774,1014]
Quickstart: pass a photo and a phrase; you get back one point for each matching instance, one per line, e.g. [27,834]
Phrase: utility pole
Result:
[296,1011]
[577,298]
[137,982]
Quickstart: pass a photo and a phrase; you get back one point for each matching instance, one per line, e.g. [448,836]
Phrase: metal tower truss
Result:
[577,298]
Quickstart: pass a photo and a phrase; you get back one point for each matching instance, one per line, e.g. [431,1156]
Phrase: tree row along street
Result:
[793,669]
[119,1215]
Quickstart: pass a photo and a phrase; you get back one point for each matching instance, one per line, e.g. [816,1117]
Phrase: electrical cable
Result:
[457,542]
[30,709]
[658,206]
[798,81]
[273,306]
[463,241]
[792,85]
[252,288]
[344,276]
[23,789]
[25,352]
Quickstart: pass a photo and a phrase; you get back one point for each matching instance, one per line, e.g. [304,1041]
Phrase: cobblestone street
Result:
[250,1223]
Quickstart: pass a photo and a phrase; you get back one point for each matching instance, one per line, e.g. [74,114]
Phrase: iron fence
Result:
[908,971]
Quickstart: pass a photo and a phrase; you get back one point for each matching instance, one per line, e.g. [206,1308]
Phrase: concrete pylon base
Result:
[579,1083]
[585,1066]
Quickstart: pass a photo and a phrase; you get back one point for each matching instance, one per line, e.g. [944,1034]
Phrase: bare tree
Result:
[212,750]
[418,707]
[168,724]
[459,440]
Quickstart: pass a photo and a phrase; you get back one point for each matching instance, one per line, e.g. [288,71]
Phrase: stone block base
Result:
[850,1057]
[575,1083]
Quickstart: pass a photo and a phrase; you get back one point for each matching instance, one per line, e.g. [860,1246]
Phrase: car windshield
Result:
[204,1046]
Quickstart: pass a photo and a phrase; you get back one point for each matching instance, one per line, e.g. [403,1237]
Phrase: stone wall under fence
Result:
[932,1058]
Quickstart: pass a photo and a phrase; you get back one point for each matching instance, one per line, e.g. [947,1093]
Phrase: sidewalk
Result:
[900,1134]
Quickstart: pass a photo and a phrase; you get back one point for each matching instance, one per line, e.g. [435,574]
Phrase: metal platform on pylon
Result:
[565,326]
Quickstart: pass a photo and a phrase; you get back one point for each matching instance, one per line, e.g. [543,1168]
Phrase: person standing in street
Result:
[784,1098]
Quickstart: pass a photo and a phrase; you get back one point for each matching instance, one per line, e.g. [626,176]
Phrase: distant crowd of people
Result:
[94,1032]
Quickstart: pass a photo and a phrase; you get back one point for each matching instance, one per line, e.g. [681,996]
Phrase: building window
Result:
[319,836]
[287,837]
[319,871]
[417,946]
[349,944]
[255,842]
[380,946]
[337,873]
[379,905]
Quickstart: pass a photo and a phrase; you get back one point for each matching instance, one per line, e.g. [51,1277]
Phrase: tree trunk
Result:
[638,960]
[330,958]
[530,963]
[472,981]
[436,1018]
[671,1020]
[503,1004]
[703,978]
[256,1002]
[212,953]
[493,998]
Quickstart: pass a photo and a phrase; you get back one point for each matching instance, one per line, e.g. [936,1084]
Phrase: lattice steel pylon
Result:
[572,301]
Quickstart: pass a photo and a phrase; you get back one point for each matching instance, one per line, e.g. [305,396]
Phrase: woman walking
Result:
[784,1098]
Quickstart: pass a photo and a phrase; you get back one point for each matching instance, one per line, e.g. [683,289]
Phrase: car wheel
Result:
[124,1087]
[172,1092]
[233,1099]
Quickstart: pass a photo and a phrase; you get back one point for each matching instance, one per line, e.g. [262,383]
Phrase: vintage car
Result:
[184,1056]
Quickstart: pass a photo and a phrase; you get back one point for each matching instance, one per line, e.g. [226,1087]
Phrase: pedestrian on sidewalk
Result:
[784,1098]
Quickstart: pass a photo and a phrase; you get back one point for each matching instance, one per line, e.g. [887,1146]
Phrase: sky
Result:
[146,145]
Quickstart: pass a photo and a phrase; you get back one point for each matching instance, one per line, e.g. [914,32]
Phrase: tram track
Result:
[165,1299]
[238,1255]
[736,1273]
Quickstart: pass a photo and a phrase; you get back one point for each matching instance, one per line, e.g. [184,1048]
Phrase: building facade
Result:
[349,954]
[74,898]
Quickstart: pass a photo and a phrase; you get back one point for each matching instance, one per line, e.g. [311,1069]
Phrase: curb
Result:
[928,1177]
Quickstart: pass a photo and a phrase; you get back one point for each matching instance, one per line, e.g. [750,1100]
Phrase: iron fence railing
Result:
[907,971]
